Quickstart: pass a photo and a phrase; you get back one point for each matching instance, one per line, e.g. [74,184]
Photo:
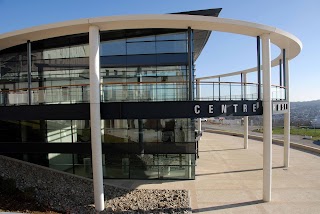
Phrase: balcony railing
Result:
[65,94]
[144,91]
[136,92]
[224,91]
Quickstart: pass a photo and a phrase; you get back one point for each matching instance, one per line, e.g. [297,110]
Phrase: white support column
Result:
[95,117]
[286,146]
[245,118]
[198,98]
[267,118]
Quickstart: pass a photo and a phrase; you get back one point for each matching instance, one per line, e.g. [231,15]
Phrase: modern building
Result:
[116,97]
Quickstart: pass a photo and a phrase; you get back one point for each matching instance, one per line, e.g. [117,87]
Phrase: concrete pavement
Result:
[229,179]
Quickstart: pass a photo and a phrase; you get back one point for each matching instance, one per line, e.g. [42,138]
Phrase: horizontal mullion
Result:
[85,148]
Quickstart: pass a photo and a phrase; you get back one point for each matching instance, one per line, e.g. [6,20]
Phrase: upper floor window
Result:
[155,44]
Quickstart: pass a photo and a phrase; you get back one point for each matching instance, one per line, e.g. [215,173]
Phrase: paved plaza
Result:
[229,179]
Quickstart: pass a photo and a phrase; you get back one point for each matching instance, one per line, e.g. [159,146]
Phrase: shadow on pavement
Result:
[219,150]
[227,206]
[245,170]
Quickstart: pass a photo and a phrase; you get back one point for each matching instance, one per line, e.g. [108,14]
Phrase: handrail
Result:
[150,82]
[174,90]
[129,83]
[44,87]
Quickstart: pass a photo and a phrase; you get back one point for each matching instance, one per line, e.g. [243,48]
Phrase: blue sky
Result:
[223,53]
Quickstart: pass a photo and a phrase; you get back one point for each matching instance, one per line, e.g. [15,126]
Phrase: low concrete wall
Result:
[275,141]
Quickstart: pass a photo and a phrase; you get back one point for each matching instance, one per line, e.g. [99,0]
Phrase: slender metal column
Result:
[245,118]
[286,156]
[198,98]
[219,89]
[213,91]
[140,121]
[259,67]
[284,70]
[230,90]
[95,117]
[244,80]
[280,72]
[190,62]
[191,87]
[267,118]
[29,58]
[241,86]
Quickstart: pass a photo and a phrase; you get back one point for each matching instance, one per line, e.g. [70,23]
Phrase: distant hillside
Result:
[303,112]
[308,103]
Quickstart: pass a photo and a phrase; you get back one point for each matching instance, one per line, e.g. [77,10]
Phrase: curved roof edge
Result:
[280,38]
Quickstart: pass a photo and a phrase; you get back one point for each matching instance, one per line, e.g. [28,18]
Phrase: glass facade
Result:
[147,130]
[136,66]
[58,76]
[157,83]
[116,164]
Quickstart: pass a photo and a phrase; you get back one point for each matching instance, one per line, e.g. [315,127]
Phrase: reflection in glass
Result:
[165,83]
[141,48]
[171,47]
[112,48]
[60,75]
[152,130]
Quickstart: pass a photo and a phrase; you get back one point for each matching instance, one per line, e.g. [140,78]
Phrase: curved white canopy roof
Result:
[280,38]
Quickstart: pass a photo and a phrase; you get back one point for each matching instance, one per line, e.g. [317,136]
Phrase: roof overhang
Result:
[280,38]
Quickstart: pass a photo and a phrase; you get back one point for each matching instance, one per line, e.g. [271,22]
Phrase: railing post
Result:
[245,86]
[241,85]
[230,90]
[219,90]
[213,91]
[29,58]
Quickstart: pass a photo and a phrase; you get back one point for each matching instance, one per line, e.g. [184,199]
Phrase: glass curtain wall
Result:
[49,131]
[157,73]
[13,76]
[144,67]
[152,133]
[163,79]
[59,72]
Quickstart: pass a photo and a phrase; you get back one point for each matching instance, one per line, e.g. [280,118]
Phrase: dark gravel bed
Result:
[66,193]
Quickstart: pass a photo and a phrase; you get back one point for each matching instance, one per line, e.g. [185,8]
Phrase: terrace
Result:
[229,179]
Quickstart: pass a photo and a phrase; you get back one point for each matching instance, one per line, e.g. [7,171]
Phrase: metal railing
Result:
[65,94]
[224,91]
[136,92]
[144,91]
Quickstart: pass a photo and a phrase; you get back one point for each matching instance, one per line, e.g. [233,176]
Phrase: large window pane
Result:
[141,48]
[173,36]
[171,47]
[112,48]
[142,39]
